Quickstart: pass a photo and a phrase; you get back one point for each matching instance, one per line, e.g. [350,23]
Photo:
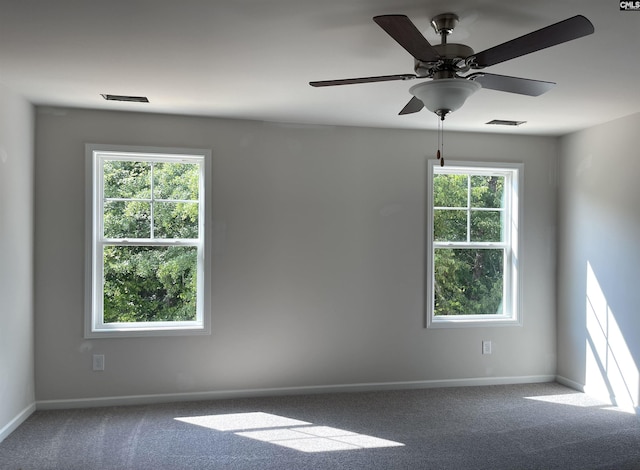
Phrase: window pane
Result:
[449,225]
[176,219]
[468,281]
[178,181]
[450,190]
[487,191]
[127,219]
[146,284]
[124,179]
[486,226]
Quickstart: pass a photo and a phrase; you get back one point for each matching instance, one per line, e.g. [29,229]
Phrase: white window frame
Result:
[512,311]
[95,327]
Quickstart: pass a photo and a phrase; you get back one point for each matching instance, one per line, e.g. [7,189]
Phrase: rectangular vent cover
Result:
[135,99]
[501,122]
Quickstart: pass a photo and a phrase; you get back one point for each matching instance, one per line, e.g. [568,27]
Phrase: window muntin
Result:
[472,258]
[147,242]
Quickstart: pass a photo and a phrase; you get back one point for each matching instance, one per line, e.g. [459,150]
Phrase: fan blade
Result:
[400,28]
[567,30]
[352,81]
[522,86]
[413,106]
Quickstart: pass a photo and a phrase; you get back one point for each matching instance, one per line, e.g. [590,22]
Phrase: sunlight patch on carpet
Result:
[241,421]
[582,400]
[288,432]
[572,399]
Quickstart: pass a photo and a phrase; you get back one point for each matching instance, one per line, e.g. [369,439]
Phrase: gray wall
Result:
[318,263]
[599,260]
[17,389]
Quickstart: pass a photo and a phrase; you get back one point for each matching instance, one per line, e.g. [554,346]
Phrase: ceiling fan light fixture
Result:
[445,95]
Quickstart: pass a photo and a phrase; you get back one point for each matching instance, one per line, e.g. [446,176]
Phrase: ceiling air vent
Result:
[135,99]
[502,122]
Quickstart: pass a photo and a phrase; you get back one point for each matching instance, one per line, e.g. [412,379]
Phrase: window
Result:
[147,262]
[472,244]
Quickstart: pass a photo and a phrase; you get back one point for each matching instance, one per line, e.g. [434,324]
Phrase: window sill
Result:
[141,332]
[472,321]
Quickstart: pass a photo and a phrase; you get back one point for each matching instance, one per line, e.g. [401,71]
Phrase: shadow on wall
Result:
[610,368]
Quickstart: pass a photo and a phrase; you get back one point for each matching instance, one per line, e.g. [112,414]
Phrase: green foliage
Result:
[467,208]
[468,281]
[150,200]
[143,284]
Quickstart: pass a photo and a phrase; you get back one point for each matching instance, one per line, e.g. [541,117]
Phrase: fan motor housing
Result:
[453,61]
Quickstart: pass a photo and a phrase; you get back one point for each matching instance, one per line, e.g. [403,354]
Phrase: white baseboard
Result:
[570,383]
[17,421]
[306,390]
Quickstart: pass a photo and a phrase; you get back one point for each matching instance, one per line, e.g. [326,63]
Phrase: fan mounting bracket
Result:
[444,25]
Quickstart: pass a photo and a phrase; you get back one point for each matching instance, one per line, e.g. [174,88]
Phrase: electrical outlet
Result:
[98,362]
[486,347]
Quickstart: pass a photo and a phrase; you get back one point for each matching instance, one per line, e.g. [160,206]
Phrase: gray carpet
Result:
[534,426]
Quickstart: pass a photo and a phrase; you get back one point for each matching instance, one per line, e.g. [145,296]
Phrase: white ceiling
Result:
[254,58]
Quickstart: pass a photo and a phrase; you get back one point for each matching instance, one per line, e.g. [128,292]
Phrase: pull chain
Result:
[442,141]
[440,152]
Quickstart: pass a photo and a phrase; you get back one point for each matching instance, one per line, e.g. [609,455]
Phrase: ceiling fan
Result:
[444,63]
